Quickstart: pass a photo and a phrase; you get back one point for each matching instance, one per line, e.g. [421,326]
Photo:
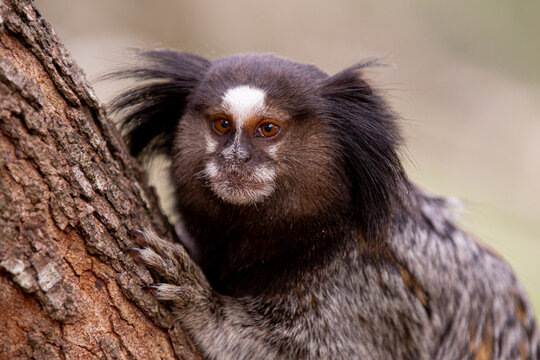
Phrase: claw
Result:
[137,235]
[135,253]
[151,288]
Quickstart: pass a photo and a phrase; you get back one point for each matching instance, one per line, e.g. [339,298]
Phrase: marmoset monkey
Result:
[307,239]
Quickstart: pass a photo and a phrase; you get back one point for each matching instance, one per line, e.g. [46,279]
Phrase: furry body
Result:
[308,238]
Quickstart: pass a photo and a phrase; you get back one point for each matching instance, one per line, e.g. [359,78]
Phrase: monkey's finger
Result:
[181,296]
[169,259]
[148,238]
[166,266]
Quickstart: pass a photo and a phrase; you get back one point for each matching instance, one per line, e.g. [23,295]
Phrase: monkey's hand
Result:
[222,327]
[185,284]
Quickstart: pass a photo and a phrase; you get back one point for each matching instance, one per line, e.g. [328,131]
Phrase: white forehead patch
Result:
[243,101]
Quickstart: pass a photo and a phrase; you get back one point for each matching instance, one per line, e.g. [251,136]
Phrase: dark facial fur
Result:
[312,236]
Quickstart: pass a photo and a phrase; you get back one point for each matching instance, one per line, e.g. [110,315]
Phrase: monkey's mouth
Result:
[240,186]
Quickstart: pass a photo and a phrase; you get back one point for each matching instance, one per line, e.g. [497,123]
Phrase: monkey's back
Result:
[476,307]
[434,293]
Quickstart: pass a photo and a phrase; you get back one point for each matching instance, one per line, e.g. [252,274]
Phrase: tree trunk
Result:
[69,193]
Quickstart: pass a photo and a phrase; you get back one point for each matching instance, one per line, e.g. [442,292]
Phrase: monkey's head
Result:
[261,134]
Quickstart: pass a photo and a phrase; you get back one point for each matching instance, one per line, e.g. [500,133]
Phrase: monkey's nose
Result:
[242,156]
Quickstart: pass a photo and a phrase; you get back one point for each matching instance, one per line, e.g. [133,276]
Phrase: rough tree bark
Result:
[69,193]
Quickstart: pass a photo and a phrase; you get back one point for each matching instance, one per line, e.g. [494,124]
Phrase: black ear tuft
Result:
[150,110]
[367,133]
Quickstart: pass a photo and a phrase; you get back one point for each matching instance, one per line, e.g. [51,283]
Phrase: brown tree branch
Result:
[69,193]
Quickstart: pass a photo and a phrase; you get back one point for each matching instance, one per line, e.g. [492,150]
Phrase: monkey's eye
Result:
[222,125]
[267,130]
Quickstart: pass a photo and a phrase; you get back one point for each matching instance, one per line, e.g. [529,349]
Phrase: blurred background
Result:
[464,75]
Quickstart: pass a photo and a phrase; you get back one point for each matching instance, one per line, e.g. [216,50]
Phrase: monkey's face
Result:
[241,142]
[250,149]
[256,135]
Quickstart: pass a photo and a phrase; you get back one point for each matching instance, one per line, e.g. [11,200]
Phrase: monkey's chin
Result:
[242,194]
[240,186]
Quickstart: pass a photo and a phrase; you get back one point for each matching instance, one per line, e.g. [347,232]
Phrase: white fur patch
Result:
[272,151]
[211,144]
[254,187]
[242,102]
[211,170]
[264,174]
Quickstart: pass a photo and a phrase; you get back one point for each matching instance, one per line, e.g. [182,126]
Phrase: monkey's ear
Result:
[368,137]
[150,110]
